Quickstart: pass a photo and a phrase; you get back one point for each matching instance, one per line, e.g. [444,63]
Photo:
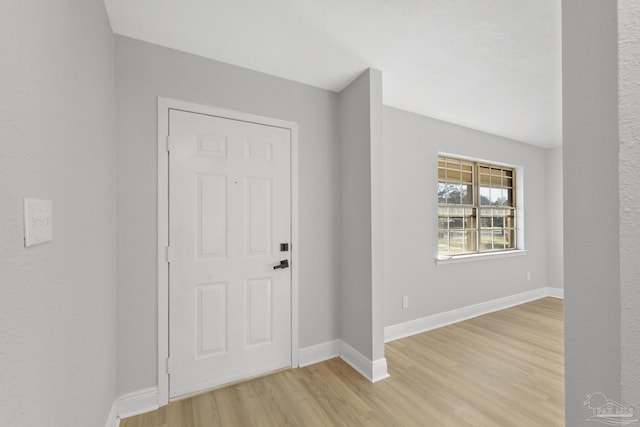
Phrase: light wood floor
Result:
[501,369]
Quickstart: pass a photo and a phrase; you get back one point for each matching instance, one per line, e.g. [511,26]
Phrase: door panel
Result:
[258,216]
[212,216]
[211,307]
[229,210]
[258,294]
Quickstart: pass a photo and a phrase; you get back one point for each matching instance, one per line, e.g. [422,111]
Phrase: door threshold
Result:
[225,385]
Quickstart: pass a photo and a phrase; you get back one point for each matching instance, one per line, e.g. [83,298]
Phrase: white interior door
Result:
[229,213]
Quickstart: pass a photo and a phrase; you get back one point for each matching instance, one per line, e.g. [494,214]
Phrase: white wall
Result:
[555,229]
[591,203]
[57,300]
[145,71]
[361,191]
[629,178]
[411,147]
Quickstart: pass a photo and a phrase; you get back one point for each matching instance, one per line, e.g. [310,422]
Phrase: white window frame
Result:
[519,249]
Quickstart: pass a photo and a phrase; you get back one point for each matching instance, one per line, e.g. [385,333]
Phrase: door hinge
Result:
[170,143]
[169,366]
[169,254]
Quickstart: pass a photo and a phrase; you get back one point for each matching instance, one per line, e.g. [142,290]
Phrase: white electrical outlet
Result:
[38,222]
[405,302]
[528,276]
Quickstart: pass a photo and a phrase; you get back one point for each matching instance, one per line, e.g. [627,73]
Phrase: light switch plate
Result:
[38,222]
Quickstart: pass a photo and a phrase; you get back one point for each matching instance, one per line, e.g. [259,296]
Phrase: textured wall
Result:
[591,203]
[144,72]
[629,171]
[57,300]
[411,147]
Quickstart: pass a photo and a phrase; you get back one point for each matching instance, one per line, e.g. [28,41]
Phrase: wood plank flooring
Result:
[502,369]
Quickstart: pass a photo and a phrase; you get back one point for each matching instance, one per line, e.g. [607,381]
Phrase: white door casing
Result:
[231,205]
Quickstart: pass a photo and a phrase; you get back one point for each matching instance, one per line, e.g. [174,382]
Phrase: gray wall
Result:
[145,71]
[57,300]
[591,216]
[360,114]
[555,233]
[377,215]
[411,146]
[629,177]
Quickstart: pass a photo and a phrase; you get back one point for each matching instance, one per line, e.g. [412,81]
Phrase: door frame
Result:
[164,106]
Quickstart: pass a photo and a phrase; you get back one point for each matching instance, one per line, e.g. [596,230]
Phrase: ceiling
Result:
[491,65]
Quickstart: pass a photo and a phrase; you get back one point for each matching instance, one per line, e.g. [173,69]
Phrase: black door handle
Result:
[283,264]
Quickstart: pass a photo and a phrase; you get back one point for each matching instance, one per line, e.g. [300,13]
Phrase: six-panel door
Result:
[229,211]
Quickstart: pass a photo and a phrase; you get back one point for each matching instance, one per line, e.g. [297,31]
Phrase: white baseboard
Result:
[112,419]
[318,353]
[555,292]
[373,370]
[138,402]
[424,324]
[357,360]
[379,370]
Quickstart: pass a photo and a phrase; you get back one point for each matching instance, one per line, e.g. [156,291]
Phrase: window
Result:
[476,207]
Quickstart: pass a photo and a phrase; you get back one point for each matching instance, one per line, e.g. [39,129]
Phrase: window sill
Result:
[478,257]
